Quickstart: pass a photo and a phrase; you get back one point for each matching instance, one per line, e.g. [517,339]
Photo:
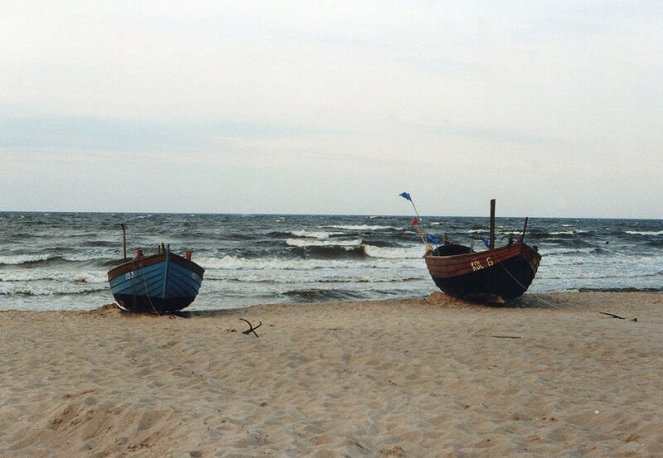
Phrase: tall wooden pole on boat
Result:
[491,245]
[124,240]
[522,237]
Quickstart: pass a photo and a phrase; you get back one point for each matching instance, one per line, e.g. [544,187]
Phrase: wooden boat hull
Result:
[500,274]
[163,282]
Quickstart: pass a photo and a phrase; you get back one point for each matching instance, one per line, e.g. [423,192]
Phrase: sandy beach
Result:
[552,376]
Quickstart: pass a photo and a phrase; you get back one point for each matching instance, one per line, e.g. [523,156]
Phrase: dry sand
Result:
[420,377]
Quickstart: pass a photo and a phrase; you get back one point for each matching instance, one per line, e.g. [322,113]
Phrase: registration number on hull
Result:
[476,265]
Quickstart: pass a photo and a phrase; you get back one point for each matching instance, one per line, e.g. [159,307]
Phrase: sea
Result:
[59,261]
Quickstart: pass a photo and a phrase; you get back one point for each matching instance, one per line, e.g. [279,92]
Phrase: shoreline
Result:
[422,376]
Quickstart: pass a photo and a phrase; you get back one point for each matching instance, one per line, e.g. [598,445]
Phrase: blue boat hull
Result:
[164,282]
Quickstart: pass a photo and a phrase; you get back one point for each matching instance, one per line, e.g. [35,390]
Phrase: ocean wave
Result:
[277,264]
[319,294]
[333,251]
[356,249]
[627,289]
[331,278]
[592,273]
[323,243]
[571,245]
[45,260]
[100,243]
[330,249]
[26,276]
[271,263]
[279,234]
[20,259]
[394,253]
[314,234]
[46,263]
[56,289]
[382,243]
[363,227]
[85,257]
[645,233]
[567,250]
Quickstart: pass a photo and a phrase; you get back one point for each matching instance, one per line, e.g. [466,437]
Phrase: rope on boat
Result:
[525,288]
[133,288]
[149,299]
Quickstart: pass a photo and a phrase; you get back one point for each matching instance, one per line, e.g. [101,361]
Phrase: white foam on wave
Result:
[49,288]
[361,227]
[313,234]
[394,253]
[22,258]
[569,253]
[328,243]
[644,232]
[52,275]
[240,263]
[386,261]
[276,275]
[90,255]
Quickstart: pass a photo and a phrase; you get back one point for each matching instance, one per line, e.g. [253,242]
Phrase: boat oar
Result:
[420,229]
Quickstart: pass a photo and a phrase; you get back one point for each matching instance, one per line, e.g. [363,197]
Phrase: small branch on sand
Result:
[251,328]
[508,337]
[612,315]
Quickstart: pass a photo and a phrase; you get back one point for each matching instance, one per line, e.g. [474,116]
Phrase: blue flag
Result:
[435,240]
[485,242]
[405,195]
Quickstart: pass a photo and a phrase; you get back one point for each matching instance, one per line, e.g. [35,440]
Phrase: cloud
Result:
[292,96]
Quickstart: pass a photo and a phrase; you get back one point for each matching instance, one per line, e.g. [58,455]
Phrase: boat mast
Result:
[124,241]
[522,237]
[491,245]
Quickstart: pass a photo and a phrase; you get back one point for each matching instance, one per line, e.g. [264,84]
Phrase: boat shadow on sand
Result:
[115,310]
[529,301]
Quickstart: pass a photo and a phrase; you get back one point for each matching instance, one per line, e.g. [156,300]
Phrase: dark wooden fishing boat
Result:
[494,275]
[162,282]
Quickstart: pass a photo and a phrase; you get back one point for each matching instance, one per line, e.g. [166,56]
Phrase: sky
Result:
[555,109]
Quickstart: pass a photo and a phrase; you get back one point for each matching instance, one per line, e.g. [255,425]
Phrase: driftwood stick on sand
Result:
[251,328]
[612,315]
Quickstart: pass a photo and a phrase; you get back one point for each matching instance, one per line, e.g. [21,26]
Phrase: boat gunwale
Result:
[146,261]
[448,266]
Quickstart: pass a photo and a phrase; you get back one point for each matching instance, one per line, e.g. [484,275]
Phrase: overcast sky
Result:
[555,108]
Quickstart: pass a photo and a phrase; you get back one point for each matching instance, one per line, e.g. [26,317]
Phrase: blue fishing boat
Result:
[162,282]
